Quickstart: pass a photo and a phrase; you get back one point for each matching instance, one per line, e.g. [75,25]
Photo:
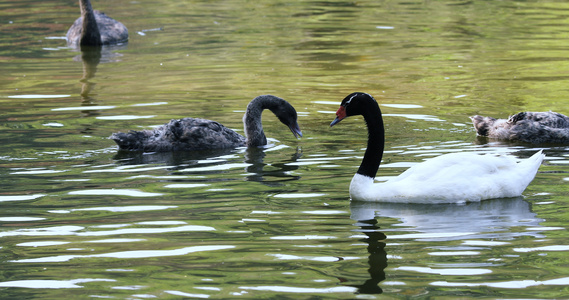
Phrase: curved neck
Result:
[90,35]
[375,143]
[252,121]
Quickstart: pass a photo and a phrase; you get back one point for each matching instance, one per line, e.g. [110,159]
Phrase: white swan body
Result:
[450,178]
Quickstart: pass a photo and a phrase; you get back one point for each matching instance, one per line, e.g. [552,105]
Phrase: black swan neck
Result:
[252,120]
[375,143]
[90,35]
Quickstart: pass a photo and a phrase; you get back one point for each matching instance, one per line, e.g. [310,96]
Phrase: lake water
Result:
[79,220]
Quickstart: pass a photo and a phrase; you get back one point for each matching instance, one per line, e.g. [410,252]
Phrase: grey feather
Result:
[189,134]
[529,127]
[95,28]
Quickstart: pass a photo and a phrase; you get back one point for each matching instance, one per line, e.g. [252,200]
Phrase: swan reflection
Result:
[260,171]
[488,220]
[178,160]
[208,162]
[377,259]
[91,57]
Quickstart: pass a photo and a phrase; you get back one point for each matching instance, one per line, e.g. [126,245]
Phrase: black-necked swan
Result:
[449,178]
[190,134]
[94,28]
[529,127]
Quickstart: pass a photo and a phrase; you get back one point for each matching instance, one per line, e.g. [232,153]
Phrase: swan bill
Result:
[295,130]
[340,115]
[336,121]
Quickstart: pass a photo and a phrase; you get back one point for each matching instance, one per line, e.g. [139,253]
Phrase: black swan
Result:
[529,127]
[189,134]
[449,178]
[94,28]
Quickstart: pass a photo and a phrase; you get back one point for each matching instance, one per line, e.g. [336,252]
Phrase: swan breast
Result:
[111,30]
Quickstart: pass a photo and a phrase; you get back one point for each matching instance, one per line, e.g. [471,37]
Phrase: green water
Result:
[79,220]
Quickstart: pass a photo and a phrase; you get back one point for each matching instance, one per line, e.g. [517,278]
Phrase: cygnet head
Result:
[354,104]
[278,106]
[287,115]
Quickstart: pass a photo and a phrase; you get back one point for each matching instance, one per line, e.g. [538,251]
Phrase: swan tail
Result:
[530,166]
[535,160]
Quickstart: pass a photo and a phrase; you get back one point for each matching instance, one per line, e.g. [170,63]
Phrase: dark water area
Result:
[80,219]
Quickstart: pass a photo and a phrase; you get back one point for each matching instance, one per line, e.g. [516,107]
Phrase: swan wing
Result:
[112,31]
[197,133]
[539,127]
[180,135]
[456,165]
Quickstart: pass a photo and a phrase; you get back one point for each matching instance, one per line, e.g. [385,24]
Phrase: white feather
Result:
[452,178]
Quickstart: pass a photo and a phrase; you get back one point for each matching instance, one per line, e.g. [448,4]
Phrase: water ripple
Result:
[20,197]
[42,244]
[544,248]
[183,294]
[100,107]
[38,96]
[516,284]
[454,253]
[299,195]
[134,168]
[451,271]
[303,237]
[124,117]
[416,117]
[51,284]
[311,258]
[147,230]
[20,219]
[116,192]
[292,289]
[128,254]
[36,172]
[72,230]
[223,167]
[185,185]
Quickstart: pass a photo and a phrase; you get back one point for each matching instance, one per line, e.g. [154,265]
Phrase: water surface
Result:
[81,220]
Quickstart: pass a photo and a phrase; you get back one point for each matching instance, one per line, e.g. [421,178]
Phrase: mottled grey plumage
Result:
[94,28]
[180,135]
[190,134]
[530,127]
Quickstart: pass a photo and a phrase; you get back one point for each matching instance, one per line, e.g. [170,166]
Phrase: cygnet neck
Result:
[376,140]
[90,35]
[252,118]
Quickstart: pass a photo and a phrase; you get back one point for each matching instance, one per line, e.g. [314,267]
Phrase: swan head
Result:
[291,123]
[483,125]
[287,115]
[352,105]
